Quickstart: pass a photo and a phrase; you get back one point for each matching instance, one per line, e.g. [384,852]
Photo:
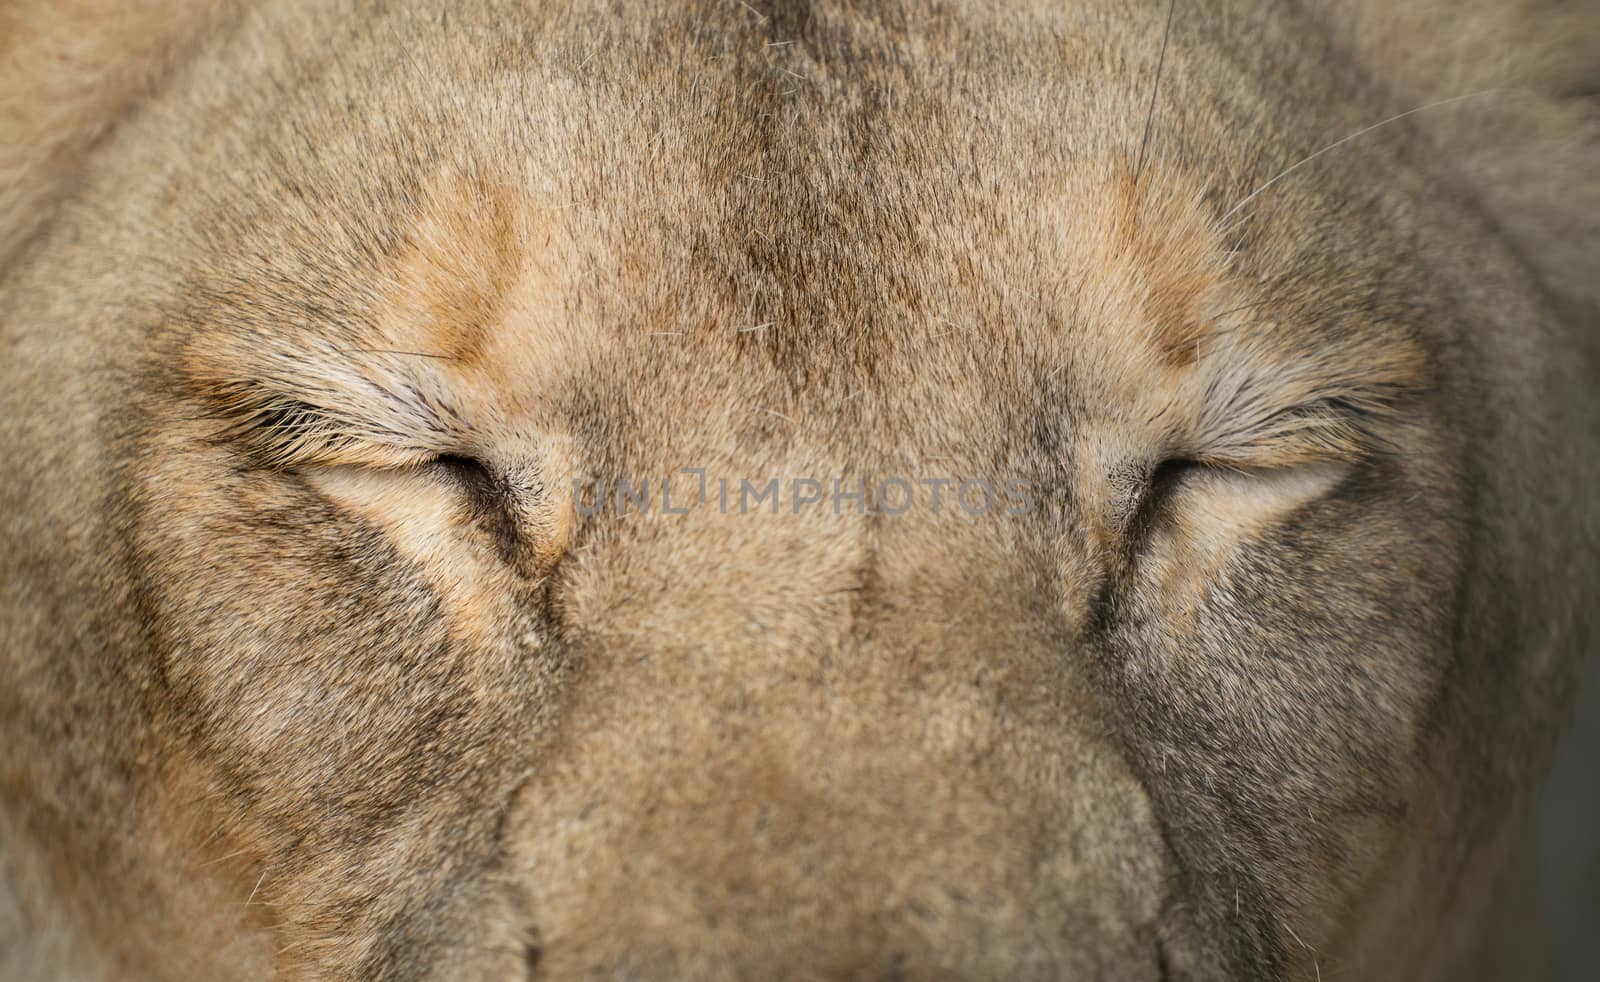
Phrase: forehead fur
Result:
[505,290]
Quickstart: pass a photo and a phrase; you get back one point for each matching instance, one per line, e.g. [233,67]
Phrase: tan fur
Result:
[1525,136]
[324,323]
[69,71]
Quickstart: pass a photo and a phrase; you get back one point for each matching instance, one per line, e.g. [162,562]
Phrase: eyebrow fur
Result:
[326,406]
[1267,410]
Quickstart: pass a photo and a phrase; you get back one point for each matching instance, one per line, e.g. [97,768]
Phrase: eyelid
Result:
[1345,426]
[1281,487]
[474,474]
[279,431]
[1299,479]
[1156,490]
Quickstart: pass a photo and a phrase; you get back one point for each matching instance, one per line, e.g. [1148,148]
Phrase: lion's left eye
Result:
[1163,481]
[1166,477]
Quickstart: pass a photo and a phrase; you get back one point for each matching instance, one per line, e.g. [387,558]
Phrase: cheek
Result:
[312,628]
[1284,671]
[278,615]
[1307,618]
[486,602]
[1213,517]
[347,738]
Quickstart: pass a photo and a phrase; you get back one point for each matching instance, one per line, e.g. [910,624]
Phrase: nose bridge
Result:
[857,742]
[899,777]
[798,555]
[905,635]
[801,825]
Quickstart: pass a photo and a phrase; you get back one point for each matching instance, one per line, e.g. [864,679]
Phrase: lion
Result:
[705,489]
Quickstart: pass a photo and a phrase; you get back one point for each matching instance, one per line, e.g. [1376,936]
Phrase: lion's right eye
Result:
[472,474]
[514,512]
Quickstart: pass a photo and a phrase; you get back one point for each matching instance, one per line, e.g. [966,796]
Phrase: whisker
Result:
[1150,114]
[1243,306]
[1339,143]
[397,351]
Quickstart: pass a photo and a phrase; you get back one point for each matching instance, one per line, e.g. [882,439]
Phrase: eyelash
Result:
[491,497]
[474,475]
[1158,490]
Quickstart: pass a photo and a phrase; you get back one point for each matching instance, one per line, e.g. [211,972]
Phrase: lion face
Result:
[702,492]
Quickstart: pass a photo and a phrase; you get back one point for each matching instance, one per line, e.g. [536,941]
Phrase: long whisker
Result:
[397,351]
[1150,114]
[1339,143]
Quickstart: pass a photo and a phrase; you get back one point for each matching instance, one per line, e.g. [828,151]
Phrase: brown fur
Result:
[314,668]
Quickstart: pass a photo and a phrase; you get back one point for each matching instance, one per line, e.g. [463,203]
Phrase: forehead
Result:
[756,215]
[708,213]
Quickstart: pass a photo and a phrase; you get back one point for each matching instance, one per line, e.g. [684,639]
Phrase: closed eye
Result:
[473,475]
[1192,497]
[380,438]
[494,503]
[1159,488]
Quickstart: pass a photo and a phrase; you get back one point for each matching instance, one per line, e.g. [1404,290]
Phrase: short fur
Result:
[314,667]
